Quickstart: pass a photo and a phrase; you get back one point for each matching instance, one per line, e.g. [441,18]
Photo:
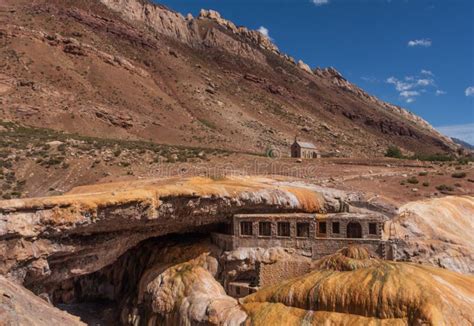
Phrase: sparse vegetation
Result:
[444,188]
[423,173]
[394,151]
[458,175]
[413,180]
[208,123]
[426,184]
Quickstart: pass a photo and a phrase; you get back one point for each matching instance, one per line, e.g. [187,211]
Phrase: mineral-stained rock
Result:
[436,231]
[18,306]
[188,293]
[352,288]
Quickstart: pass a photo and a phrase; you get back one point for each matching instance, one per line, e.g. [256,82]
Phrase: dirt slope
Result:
[127,69]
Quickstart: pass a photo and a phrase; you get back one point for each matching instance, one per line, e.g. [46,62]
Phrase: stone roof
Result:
[305,144]
[319,217]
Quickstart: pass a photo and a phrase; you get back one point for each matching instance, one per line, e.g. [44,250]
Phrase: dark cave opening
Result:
[107,296]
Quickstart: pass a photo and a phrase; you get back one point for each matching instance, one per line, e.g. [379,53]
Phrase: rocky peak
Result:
[304,66]
[329,72]
[184,29]
[254,37]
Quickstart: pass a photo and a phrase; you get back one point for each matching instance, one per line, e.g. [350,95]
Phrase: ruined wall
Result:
[324,247]
[270,274]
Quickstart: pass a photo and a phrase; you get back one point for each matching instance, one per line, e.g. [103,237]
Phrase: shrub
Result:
[444,187]
[426,184]
[423,173]
[393,151]
[459,175]
[208,123]
[412,180]
[62,147]
[433,157]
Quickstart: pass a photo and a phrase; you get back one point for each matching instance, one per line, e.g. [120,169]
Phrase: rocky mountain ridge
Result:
[174,24]
[134,70]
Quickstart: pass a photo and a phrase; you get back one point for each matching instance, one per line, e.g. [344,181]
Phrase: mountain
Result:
[463,143]
[129,69]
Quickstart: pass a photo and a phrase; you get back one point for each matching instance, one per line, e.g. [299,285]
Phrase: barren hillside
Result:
[128,69]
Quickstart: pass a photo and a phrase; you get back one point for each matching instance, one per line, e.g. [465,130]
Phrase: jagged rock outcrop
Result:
[304,66]
[436,231]
[374,292]
[160,18]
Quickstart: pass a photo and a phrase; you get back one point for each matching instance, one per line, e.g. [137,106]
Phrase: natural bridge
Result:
[51,239]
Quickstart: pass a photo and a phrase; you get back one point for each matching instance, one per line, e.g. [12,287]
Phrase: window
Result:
[284,229]
[322,227]
[302,230]
[335,227]
[372,228]
[265,229]
[246,228]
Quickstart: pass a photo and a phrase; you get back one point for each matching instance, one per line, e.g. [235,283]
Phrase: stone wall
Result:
[223,241]
[280,271]
[344,221]
[303,244]
[324,247]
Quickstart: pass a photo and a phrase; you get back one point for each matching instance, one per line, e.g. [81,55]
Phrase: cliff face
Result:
[131,69]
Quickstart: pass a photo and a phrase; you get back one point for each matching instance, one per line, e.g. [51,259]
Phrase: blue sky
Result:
[418,54]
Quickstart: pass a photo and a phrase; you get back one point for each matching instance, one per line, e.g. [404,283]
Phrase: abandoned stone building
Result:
[311,235]
[301,149]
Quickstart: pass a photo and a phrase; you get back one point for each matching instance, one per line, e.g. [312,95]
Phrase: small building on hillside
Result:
[301,149]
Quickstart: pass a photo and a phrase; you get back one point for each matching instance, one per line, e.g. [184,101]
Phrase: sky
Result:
[418,54]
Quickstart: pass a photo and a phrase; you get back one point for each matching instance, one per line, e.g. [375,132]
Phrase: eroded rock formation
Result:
[436,231]
[18,306]
[350,287]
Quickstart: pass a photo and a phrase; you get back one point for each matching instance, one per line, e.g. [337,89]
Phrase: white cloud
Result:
[427,72]
[440,92]
[469,91]
[369,79]
[424,82]
[399,85]
[409,96]
[320,2]
[411,86]
[421,42]
[409,93]
[464,132]
[264,31]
